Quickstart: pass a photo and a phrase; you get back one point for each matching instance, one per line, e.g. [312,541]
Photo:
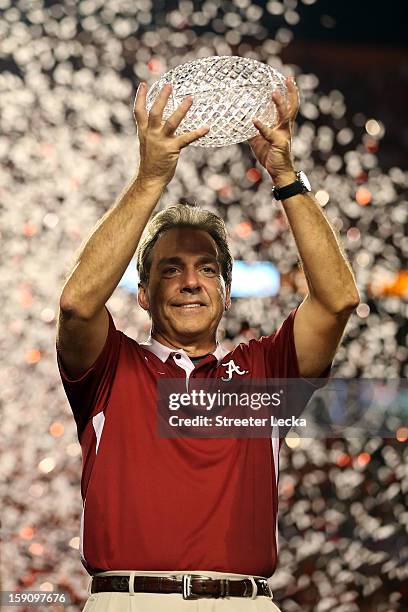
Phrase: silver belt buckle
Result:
[187,586]
[268,589]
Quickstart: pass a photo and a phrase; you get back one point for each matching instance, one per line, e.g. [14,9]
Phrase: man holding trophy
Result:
[186,524]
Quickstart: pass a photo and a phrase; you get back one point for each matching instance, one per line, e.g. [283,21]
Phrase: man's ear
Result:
[143,297]
[227,298]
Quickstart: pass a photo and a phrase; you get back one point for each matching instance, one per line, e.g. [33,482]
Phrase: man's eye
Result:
[209,270]
[169,270]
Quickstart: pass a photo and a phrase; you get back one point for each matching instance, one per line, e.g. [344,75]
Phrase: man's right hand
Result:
[159,147]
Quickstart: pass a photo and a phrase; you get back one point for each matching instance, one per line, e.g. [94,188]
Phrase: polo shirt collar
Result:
[163,352]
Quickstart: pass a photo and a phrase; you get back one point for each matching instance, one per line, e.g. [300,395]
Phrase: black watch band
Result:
[301,185]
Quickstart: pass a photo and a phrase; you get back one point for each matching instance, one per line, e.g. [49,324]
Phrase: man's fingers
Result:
[294,98]
[156,112]
[281,105]
[139,108]
[176,118]
[266,131]
[186,139]
[287,108]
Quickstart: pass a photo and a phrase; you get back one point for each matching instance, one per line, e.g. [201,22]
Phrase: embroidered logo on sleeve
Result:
[232,368]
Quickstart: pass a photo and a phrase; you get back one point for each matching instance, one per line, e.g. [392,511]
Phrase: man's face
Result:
[185,294]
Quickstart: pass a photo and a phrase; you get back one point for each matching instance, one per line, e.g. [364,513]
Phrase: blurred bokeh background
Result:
[68,147]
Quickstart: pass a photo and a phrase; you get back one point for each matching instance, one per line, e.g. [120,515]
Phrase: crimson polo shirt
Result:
[180,504]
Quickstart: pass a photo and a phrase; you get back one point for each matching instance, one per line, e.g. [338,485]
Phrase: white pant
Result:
[174,602]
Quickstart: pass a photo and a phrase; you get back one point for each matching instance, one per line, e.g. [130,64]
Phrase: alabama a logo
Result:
[232,368]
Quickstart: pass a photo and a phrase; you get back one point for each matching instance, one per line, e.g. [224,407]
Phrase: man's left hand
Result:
[272,146]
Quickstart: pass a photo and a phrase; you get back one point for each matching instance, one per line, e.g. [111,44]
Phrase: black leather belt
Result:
[190,586]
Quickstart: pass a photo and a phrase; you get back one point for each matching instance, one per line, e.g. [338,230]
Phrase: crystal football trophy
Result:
[227,91]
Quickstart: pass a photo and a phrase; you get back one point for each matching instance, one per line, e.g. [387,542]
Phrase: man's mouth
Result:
[189,306]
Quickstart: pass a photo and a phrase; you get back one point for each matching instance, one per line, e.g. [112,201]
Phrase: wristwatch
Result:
[301,185]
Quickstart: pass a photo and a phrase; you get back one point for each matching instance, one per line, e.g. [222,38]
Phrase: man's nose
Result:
[190,280]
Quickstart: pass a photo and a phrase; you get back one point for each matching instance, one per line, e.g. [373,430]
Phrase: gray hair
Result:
[183,215]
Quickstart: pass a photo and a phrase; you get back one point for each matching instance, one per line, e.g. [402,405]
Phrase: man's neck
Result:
[194,348]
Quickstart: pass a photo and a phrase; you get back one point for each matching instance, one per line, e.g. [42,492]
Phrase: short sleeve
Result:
[281,362]
[89,394]
[280,353]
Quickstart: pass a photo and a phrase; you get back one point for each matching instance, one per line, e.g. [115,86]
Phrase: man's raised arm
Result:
[101,263]
[106,254]
[321,318]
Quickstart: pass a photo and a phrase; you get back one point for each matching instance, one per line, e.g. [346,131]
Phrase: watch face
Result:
[303,178]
